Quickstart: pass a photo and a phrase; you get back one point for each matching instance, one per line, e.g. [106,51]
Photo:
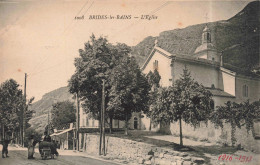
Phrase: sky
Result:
[42,38]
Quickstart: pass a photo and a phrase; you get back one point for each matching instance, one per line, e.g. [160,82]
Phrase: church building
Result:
[206,67]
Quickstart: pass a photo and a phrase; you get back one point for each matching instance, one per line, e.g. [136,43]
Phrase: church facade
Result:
[206,67]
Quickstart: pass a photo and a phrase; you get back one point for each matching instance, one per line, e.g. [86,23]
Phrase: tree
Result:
[153,80]
[12,104]
[102,60]
[230,113]
[129,92]
[237,115]
[250,114]
[95,63]
[186,100]
[63,113]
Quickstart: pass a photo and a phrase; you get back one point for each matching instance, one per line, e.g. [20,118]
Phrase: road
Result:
[18,156]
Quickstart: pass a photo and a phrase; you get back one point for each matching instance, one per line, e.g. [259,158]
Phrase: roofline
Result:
[198,60]
[179,57]
[230,72]
[224,96]
[156,48]
[215,50]
[247,77]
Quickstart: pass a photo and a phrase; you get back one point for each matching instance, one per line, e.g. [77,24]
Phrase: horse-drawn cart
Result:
[45,149]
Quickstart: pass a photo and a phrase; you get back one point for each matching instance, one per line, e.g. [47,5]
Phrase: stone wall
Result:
[129,151]
[223,136]
[117,147]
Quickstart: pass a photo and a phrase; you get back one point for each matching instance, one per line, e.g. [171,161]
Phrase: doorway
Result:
[135,123]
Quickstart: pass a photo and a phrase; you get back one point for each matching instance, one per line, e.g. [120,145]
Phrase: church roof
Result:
[219,92]
[205,47]
[181,57]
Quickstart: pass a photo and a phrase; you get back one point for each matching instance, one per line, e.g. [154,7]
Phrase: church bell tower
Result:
[207,50]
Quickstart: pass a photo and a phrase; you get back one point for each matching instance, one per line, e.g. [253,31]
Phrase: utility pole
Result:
[100,132]
[77,121]
[24,111]
[48,130]
[103,117]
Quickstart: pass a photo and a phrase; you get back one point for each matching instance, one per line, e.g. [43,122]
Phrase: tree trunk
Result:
[111,125]
[126,125]
[100,139]
[12,137]
[233,134]
[150,126]
[181,142]
[3,131]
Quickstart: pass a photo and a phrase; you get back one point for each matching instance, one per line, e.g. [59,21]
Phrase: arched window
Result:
[245,91]
[208,37]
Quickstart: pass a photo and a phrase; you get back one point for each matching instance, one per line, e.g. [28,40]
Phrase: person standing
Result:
[31,146]
[5,143]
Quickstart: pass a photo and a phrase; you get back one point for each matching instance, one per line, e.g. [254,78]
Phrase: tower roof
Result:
[205,46]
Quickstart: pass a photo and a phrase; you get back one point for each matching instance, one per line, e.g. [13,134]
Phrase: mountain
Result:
[237,38]
[43,106]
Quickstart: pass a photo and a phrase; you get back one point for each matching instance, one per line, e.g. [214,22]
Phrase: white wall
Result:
[204,74]
[229,82]
[164,65]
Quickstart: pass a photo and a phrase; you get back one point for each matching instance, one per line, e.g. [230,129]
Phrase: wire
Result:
[63,33]
[135,23]
[32,74]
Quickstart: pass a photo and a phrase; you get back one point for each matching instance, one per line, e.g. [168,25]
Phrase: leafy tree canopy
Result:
[237,115]
[63,113]
[11,104]
[124,83]
[96,62]
[186,100]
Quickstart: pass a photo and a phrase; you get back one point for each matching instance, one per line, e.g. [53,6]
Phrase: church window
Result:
[212,86]
[208,37]
[155,65]
[245,91]
[213,59]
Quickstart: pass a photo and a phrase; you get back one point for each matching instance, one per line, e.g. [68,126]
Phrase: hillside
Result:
[237,38]
[43,106]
